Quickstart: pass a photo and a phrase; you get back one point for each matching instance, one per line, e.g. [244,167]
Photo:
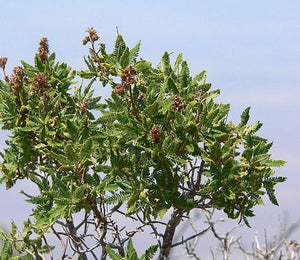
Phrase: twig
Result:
[63,245]
[191,237]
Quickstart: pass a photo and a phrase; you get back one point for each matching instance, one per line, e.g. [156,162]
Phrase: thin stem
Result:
[183,241]
[63,245]
[134,110]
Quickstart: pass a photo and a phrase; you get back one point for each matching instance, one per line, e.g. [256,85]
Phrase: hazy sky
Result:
[250,50]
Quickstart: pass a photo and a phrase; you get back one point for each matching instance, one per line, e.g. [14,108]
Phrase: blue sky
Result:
[250,50]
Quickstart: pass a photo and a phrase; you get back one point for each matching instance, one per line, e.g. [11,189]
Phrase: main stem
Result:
[169,234]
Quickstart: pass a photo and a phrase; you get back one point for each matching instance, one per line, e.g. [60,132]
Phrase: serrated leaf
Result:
[199,78]
[245,116]
[86,149]
[112,254]
[130,251]
[272,196]
[152,109]
[29,128]
[118,48]
[164,64]
[72,129]
[143,66]
[275,163]
[253,128]
[81,192]
[134,52]
[166,106]
[177,62]
[184,74]
[6,251]
[40,146]
[38,64]
[70,153]
[111,187]
[124,61]
[51,59]
[162,212]
[208,96]
[149,253]
[171,86]
[86,74]
[131,210]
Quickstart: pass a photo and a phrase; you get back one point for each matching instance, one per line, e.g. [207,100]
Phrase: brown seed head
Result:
[85,105]
[16,79]
[85,40]
[155,134]
[43,49]
[91,31]
[167,133]
[6,79]
[120,89]
[93,34]
[178,104]
[198,94]
[142,96]
[3,62]
[128,76]
[19,72]
[40,83]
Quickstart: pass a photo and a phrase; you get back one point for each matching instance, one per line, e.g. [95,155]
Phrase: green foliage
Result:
[160,141]
[25,247]
[131,254]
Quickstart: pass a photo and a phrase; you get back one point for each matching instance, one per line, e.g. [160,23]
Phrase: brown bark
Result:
[169,234]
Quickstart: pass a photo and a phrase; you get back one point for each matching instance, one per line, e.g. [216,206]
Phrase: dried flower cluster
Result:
[120,90]
[155,134]
[85,105]
[43,49]
[92,37]
[142,96]
[3,62]
[40,84]
[128,78]
[198,94]
[178,104]
[16,79]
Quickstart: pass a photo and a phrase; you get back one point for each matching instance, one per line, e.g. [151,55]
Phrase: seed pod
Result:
[155,134]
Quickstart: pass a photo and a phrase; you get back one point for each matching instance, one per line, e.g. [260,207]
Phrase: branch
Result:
[151,224]
[198,181]
[63,245]
[75,239]
[191,237]
[46,243]
[169,233]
